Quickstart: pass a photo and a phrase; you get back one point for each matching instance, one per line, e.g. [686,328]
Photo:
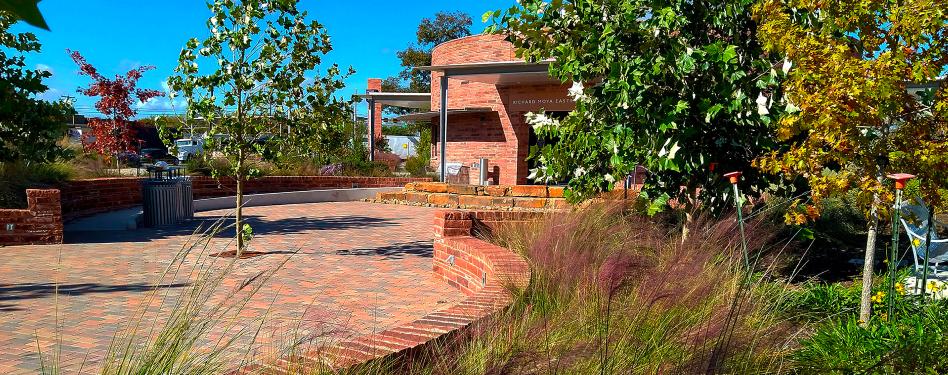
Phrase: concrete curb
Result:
[292,197]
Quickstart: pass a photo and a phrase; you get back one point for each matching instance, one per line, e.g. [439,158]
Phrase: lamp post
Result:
[900,180]
[734,177]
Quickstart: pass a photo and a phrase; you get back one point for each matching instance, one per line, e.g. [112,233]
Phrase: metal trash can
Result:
[187,198]
[161,202]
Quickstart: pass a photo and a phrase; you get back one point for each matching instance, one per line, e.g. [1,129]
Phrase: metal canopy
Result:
[428,116]
[417,100]
[503,73]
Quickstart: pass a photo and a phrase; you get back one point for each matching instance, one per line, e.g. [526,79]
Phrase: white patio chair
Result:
[915,221]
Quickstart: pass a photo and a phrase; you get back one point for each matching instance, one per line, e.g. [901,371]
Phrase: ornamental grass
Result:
[616,292]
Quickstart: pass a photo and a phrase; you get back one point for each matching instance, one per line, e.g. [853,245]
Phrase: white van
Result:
[188,147]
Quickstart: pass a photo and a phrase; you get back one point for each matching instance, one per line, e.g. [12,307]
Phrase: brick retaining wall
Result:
[41,223]
[492,197]
[97,195]
[87,197]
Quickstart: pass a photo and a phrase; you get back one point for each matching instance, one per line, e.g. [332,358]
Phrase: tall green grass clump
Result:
[912,340]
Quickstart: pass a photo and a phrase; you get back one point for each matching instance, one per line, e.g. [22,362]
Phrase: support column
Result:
[443,116]
[371,129]
[375,115]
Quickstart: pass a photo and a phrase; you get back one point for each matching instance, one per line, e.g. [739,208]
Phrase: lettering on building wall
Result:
[536,104]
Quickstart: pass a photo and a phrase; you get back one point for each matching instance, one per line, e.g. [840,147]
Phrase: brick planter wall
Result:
[493,197]
[207,187]
[92,196]
[41,223]
[87,197]
[481,271]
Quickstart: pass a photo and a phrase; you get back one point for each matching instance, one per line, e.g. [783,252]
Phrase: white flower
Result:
[786,66]
[577,92]
[539,120]
[608,177]
[579,172]
[762,105]
[533,173]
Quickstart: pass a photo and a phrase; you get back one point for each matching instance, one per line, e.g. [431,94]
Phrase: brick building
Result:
[489,91]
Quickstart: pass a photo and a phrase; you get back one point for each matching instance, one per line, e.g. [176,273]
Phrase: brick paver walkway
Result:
[360,267]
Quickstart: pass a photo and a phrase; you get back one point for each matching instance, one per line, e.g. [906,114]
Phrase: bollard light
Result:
[900,181]
[734,177]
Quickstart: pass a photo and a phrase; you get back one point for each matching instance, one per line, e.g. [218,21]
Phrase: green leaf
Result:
[713,111]
[658,204]
[729,54]
[26,10]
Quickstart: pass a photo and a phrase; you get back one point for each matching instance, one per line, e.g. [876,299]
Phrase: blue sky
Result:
[116,36]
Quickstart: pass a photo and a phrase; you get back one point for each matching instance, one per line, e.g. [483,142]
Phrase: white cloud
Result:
[44,67]
[128,64]
[161,104]
[50,95]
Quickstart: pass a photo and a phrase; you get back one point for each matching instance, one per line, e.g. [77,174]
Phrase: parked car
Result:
[129,158]
[188,148]
[152,155]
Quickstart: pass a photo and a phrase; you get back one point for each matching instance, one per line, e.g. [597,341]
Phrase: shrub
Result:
[15,178]
[417,166]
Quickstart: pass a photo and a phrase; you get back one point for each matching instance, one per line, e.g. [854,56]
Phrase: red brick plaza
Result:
[361,268]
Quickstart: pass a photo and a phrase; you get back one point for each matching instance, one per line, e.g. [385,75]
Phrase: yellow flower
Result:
[900,288]
[933,286]
[917,242]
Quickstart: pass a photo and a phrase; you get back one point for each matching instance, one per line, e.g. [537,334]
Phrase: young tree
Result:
[254,83]
[29,128]
[117,99]
[851,117]
[673,86]
[431,32]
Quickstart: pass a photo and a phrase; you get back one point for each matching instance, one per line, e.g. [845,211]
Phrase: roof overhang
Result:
[428,116]
[501,73]
[415,100]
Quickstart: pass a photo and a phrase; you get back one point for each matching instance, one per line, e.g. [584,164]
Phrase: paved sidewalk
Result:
[353,268]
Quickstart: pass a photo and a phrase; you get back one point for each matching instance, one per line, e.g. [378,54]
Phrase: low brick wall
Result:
[480,270]
[207,187]
[41,223]
[92,196]
[492,197]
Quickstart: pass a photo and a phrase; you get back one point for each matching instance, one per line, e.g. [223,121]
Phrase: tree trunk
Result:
[868,266]
[240,206]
